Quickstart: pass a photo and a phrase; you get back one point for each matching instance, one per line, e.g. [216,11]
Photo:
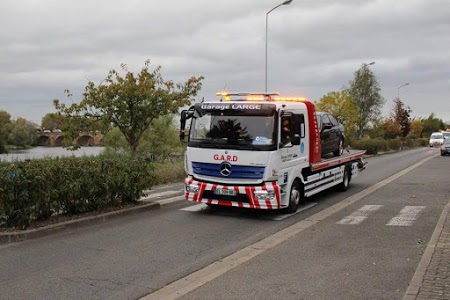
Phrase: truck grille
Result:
[213,170]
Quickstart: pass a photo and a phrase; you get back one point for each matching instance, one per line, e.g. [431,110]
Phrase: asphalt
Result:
[430,281]
[153,199]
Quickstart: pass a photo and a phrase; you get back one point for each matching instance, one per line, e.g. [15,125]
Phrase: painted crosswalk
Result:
[359,215]
[406,217]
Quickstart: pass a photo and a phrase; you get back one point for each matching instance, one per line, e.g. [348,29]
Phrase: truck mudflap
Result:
[265,196]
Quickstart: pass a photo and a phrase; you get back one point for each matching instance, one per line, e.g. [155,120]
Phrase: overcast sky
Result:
[314,47]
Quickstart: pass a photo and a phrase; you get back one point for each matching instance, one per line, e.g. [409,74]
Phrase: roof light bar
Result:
[259,97]
[245,94]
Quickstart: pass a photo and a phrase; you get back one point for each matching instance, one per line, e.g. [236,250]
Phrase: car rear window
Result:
[333,120]
[436,136]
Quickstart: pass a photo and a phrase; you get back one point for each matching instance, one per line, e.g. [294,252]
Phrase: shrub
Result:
[38,188]
[372,146]
[169,172]
[394,144]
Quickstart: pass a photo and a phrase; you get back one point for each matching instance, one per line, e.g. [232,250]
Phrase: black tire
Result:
[343,186]
[442,154]
[295,197]
[340,150]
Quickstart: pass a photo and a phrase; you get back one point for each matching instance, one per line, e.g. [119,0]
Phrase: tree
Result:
[416,128]
[162,141]
[391,128]
[53,121]
[342,106]
[400,114]
[131,103]
[23,133]
[5,127]
[365,91]
[159,143]
[432,124]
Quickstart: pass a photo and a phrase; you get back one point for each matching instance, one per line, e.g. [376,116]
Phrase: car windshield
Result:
[234,129]
[436,136]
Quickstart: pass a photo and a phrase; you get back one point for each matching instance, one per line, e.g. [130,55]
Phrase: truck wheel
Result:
[294,197]
[340,150]
[343,186]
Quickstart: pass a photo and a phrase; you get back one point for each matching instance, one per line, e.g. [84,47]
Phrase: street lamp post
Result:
[398,89]
[286,2]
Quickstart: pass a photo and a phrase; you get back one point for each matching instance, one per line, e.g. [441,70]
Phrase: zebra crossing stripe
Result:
[194,208]
[406,217]
[360,215]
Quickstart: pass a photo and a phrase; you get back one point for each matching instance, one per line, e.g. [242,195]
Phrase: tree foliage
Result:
[342,106]
[391,129]
[365,90]
[416,128]
[22,134]
[400,114]
[130,102]
[159,143]
[52,121]
[432,124]
[5,127]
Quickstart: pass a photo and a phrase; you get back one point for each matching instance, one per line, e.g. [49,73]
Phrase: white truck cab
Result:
[259,151]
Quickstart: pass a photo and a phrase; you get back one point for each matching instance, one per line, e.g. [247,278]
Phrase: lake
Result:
[41,152]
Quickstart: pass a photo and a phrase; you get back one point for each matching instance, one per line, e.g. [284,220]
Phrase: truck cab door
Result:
[291,145]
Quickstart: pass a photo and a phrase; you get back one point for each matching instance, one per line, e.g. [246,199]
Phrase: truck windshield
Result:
[234,129]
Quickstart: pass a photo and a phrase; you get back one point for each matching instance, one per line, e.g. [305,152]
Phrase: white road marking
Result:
[300,209]
[277,217]
[359,215]
[161,194]
[406,217]
[171,200]
[194,208]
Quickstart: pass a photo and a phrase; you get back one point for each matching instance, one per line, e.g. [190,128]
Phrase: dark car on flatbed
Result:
[331,134]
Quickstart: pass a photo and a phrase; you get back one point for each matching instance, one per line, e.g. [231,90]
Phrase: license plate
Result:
[223,192]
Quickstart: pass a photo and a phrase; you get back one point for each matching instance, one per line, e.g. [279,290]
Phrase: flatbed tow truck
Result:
[260,151]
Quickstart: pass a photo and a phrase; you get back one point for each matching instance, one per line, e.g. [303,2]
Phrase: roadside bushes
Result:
[374,146]
[39,188]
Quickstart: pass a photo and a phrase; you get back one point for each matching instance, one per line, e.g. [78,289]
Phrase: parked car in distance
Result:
[445,148]
[446,134]
[331,134]
[436,139]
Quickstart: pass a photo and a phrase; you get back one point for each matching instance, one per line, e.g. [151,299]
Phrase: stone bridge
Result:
[54,139]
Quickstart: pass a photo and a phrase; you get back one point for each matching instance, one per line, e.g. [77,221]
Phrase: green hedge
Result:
[374,146]
[39,188]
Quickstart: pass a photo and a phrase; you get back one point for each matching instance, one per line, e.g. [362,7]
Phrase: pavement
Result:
[432,277]
[430,281]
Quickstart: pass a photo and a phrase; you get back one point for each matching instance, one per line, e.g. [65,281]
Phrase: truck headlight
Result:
[264,195]
[192,188]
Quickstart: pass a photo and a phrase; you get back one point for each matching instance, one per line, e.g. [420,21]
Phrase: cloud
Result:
[314,47]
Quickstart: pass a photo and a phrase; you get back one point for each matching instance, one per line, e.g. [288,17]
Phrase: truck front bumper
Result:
[265,196]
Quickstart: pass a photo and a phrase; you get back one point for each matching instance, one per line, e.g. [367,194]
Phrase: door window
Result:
[286,130]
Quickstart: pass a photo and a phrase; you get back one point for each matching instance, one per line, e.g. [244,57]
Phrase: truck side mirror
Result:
[183,124]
